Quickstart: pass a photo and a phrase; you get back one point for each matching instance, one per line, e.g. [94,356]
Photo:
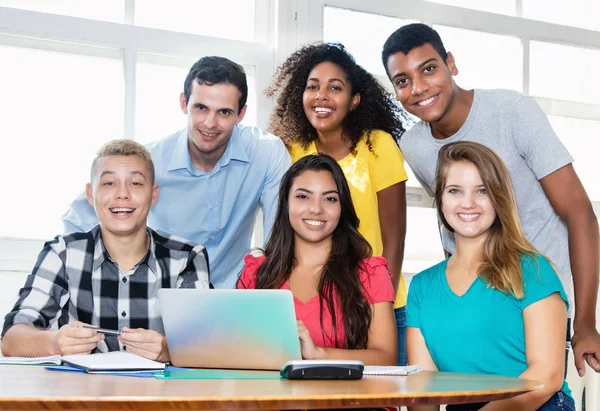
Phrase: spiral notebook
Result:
[390,370]
[52,359]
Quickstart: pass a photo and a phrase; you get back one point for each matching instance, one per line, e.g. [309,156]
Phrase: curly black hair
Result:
[377,109]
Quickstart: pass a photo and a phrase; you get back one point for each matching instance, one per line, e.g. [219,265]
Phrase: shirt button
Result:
[213,207]
[123,314]
[124,279]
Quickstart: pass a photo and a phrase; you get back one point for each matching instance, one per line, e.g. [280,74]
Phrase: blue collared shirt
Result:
[216,209]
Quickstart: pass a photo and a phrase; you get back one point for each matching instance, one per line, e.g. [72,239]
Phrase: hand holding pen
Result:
[73,338]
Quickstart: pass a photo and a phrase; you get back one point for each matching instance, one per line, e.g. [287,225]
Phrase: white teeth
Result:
[323,109]
[425,102]
[209,134]
[122,210]
[468,216]
[314,222]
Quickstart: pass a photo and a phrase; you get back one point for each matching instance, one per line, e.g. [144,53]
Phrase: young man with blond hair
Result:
[109,276]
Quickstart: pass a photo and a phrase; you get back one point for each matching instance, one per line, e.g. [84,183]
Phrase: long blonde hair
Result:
[506,243]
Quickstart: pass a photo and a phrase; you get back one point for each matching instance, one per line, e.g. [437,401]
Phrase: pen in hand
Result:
[102,330]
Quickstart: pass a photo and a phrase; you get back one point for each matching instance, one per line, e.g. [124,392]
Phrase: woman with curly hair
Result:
[326,103]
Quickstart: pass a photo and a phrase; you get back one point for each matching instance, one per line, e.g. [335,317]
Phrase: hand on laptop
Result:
[146,343]
[71,339]
[307,347]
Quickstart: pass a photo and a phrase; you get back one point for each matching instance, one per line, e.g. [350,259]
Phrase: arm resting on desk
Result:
[545,328]
[382,345]
[24,340]
[418,353]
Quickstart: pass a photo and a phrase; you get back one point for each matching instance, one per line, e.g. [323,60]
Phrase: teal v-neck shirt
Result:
[482,331]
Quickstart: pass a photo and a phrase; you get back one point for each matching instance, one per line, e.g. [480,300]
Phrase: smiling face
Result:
[314,206]
[212,112]
[423,82]
[328,98]
[121,193]
[466,204]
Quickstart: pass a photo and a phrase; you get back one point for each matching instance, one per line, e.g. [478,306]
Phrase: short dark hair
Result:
[212,70]
[409,37]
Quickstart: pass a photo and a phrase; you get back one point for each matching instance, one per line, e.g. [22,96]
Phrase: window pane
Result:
[582,139]
[493,6]
[549,79]
[233,19]
[350,27]
[158,88]
[423,244]
[578,13]
[105,10]
[482,66]
[56,119]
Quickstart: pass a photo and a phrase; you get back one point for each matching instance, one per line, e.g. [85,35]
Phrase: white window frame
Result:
[31,29]
[282,26]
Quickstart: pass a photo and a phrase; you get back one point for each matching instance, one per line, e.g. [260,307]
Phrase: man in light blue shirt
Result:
[214,174]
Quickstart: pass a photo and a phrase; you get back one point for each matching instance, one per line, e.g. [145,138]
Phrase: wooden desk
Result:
[33,388]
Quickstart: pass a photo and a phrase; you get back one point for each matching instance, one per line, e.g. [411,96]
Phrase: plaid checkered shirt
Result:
[75,279]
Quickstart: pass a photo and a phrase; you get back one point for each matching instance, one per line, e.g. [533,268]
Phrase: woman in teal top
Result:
[496,306]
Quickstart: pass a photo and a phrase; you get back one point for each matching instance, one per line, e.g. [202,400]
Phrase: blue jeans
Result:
[558,402]
[400,314]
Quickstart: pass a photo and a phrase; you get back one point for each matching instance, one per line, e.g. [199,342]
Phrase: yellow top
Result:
[368,173]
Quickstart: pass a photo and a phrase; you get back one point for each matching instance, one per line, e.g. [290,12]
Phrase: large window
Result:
[576,79]
[363,34]
[489,67]
[76,75]
[106,10]
[58,108]
[233,19]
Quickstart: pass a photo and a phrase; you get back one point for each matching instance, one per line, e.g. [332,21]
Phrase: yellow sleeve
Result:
[297,152]
[387,164]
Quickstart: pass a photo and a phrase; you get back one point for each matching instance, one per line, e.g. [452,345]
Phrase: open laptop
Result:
[240,329]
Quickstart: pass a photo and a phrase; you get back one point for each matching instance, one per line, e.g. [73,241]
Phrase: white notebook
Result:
[390,370]
[50,360]
[112,361]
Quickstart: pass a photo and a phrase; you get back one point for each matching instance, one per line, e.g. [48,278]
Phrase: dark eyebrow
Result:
[423,64]
[331,80]
[219,109]
[323,193]
[304,190]
[426,62]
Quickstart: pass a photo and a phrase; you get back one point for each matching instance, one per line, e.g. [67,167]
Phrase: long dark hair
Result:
[377,109]
[341,271]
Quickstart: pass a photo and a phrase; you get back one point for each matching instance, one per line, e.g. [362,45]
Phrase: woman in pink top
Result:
[343,296]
